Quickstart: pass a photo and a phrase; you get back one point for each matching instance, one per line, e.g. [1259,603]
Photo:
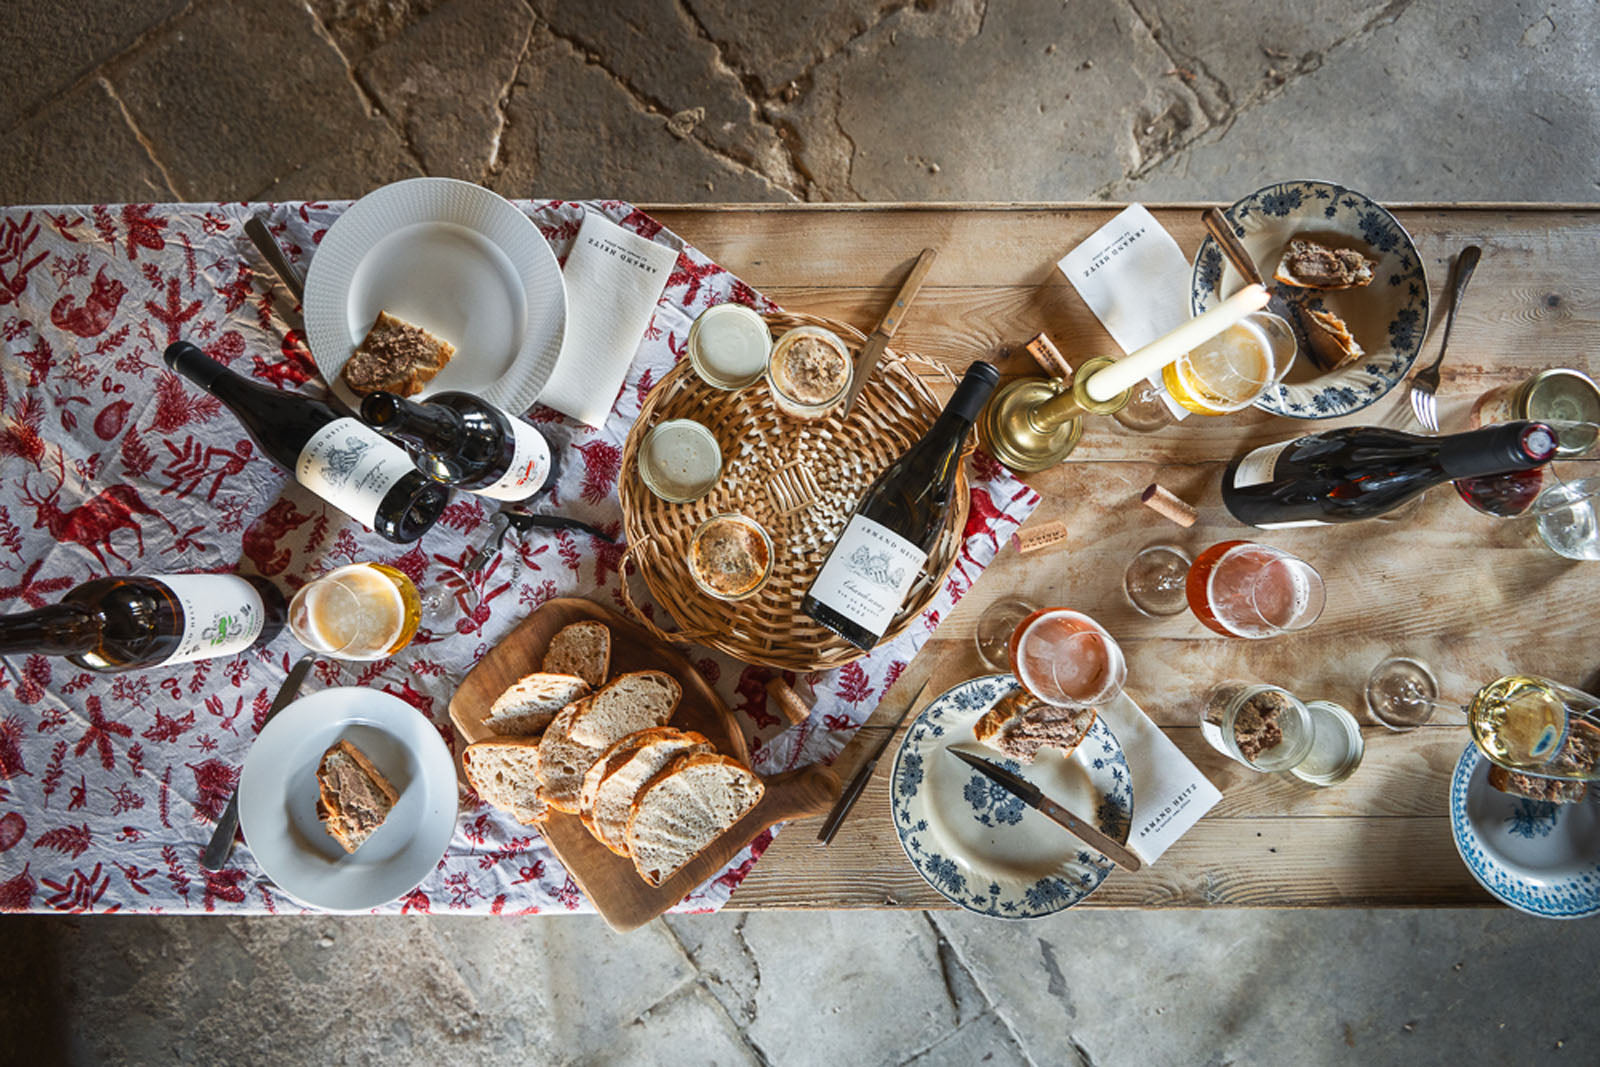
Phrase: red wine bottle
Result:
[1363,471]
[872,566]
[462,441]
[120,624]
[337,457]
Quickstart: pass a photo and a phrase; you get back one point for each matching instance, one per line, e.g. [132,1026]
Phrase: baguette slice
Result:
[1019,726]
[583,649]
[505,773]
[685,807]
[622,776]
[527,707]
[582,732]
[354,798]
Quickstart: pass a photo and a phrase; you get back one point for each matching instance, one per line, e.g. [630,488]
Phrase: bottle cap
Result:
[1336,745]
[191,362]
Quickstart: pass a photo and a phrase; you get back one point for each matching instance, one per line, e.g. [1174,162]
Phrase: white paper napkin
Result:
[614,278]
[1135,279]
[1169,793]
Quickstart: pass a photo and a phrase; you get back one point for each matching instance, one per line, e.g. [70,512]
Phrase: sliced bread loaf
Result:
[581,732]
[505,773]
[626,768]
[684,808]
[583,649]
[527,707]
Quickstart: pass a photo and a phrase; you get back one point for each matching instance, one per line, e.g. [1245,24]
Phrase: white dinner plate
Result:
[455,259]
[278,799]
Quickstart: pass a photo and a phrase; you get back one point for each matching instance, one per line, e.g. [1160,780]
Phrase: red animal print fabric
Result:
[110,784]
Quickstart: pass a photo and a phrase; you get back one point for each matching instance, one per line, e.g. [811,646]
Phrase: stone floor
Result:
[703,100]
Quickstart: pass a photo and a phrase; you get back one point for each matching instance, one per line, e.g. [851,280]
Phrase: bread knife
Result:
[872,350]
[1034,797]
[220,847]
[852,792]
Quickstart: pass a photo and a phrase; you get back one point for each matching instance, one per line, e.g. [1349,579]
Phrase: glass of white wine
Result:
[1229,372]
[1532,725]
[364,611]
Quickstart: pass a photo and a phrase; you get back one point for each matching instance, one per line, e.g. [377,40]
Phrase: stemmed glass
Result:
[1402,693]
[1066,659]
[1156,579]
[363,611]
[995,627]
[1242,589]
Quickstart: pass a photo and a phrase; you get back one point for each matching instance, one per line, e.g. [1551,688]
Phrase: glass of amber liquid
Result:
[364,611]
[1067,659]
[1242,589]
[1230,371]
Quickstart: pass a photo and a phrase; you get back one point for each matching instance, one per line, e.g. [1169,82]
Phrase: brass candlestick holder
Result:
[1036,422]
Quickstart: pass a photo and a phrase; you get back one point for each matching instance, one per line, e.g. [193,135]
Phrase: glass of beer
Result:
[1230,371]
[1067,659]
[1242,589]
[364,611]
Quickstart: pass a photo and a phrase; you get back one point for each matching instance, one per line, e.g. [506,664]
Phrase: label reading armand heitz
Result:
[222,614]
[868,574]
[530,465]
[1256,467]
[351,467]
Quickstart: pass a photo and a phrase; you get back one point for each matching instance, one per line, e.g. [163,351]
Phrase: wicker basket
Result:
[800,479]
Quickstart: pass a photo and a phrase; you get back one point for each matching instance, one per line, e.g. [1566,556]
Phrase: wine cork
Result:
[1167,504]
[794,709]
[1043,536]
[1048,356]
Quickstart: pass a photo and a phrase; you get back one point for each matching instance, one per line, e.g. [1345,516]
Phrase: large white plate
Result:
[982,847]
[278,799]
[453,258]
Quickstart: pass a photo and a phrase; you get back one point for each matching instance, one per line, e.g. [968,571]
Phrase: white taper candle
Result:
[1142,363]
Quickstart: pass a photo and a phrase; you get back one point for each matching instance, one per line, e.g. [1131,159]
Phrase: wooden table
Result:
[1473,596]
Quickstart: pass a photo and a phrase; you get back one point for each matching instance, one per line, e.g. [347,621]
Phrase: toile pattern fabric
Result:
[110,784]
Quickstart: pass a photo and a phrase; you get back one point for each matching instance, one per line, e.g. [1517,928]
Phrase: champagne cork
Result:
[1167,504]
[1048,356]
[1044,535]
[794,709]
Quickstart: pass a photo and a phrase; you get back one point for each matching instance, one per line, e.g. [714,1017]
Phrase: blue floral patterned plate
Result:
[979,845]
[1543,859]
[1387,317]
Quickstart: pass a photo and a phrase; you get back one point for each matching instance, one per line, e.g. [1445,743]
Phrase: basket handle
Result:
[672,637]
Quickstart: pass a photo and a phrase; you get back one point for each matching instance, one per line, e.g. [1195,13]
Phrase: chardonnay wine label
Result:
[1256,467]
[868,574]
[222,615]
[530,465]
[351,467]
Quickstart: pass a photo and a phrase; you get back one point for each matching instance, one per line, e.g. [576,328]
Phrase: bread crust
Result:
[328,806]
[469,768]
[681,763]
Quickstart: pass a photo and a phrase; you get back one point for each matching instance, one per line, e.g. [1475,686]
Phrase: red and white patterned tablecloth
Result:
[110,784]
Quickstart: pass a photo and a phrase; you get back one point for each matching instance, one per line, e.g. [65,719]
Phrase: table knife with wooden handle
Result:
[872,350]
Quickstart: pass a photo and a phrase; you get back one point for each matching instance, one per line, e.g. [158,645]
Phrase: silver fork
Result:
[1426,382]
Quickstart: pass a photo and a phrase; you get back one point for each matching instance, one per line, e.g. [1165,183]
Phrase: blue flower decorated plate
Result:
[1387,317]
[979,845]
[1540,858]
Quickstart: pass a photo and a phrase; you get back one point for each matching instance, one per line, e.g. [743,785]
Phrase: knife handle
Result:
[908,292]
[220,846]
[1221,231]
[1090,835]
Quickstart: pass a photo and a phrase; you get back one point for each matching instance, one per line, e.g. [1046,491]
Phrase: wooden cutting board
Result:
[609,880]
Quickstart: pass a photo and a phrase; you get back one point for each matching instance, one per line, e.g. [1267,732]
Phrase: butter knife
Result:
[221,845]
[852,792]
[1034,797]
[872,350]
[256,230]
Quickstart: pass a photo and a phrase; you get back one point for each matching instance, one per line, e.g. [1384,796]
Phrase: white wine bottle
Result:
[876,560]
[462,441]
[337,457]
[125,623]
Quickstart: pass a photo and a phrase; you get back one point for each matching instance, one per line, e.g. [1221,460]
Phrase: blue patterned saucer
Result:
[982,847]
[1387,317]
[1542,859]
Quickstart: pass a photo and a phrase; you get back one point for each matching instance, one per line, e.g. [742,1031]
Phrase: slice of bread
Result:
[685,807]
[1310,265]
[397,357]
[1019,726]
[583,649]
[582,732]
[623,772]
[505,773]
[1332,344]
[527,707]
[354,798]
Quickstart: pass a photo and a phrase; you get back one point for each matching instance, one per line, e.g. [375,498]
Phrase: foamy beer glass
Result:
[364,611]
[1067,659]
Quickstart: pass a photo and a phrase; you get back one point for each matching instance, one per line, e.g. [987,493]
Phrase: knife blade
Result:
[852,792]
[1034,797]
[220,847]
[872,350]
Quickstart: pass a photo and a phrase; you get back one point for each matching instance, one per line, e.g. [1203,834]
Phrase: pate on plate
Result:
[1388,317]
[980,846]
[1540,858]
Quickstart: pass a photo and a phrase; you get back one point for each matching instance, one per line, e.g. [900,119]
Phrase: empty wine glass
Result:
[1402,693]
[995,627]
[1155,581]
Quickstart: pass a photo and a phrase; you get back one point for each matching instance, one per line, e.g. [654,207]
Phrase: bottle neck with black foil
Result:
[1506,446]
[948,433]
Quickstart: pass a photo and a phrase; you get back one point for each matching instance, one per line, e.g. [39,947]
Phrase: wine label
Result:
[347,464]
[868,574]
[530,465]
[1257,466]
[222,615]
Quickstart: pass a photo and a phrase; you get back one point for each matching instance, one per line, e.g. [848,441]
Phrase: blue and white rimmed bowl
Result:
[1388,317]
[1539,858]
[981,847]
